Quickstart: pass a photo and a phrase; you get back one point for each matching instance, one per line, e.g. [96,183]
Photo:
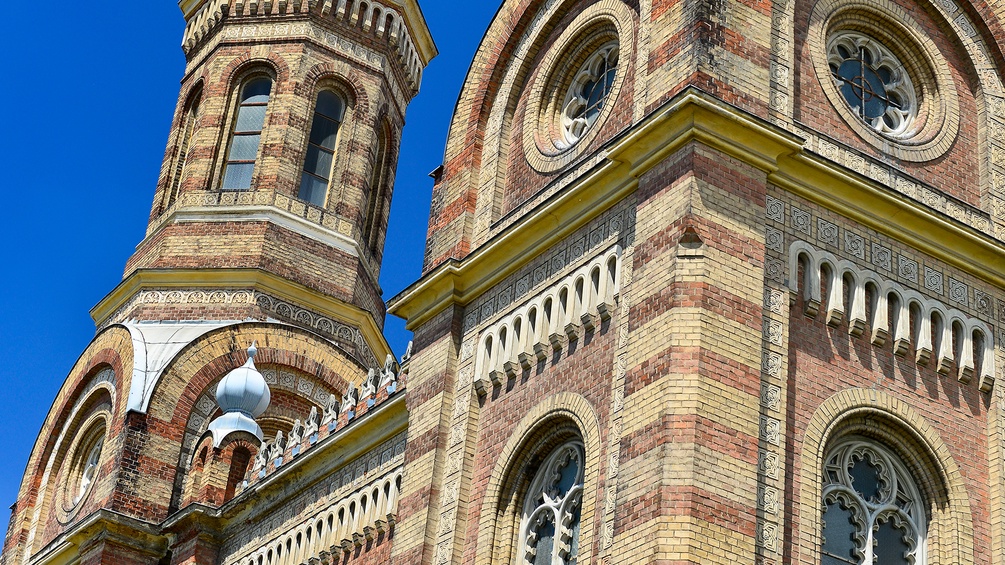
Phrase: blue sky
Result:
[89,96]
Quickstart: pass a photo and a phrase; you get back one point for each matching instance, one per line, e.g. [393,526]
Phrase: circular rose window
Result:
[590,88]
[885,78]
[874,83]
[84,468]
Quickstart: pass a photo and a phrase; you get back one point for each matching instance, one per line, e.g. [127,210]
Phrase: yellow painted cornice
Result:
[188,7]
[696,116]
[103,524]
[257,279]
[420,31]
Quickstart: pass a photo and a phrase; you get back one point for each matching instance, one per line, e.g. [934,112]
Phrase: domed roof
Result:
[243,395]
[244,389]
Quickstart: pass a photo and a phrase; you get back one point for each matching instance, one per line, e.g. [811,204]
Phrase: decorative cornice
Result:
[251,279]
[103,524]
[401,25]
[696,116]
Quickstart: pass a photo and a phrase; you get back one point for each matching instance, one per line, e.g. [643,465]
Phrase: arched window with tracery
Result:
[550,523]
[873,511]
[380,179]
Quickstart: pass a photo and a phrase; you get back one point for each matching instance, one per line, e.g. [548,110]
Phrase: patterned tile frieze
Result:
[613,226]
[878,255]
[617,405]
[770,519]
[349,337]
[958,210]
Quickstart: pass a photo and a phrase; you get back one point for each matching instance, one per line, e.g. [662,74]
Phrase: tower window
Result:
[872,510]
[185,143]
[321,148]
[378,183]
[247,133]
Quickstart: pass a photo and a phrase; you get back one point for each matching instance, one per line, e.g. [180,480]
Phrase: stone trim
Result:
[578,303]
[897,425]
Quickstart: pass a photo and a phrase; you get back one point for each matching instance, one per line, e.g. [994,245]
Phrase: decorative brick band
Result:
[380,21]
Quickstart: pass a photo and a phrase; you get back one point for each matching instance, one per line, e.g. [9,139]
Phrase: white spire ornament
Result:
[243,395]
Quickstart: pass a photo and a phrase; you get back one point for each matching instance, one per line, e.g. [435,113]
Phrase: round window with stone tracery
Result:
[873,83]
[590,88]
[84,467]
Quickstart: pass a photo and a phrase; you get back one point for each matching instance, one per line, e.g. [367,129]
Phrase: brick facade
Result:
[725,280]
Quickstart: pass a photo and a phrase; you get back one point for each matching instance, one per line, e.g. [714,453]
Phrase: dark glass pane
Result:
[874,94]
[545,543]
[313,189]
[574,543]
[891,549]
[839,534]
[567,476]
[323,132]
[843,52]
[318,161]
[885,74]
[329,105]
[244,148]
[238,176]
[256,91]
[866,56]
[250,118]
[850,94]
[865,478]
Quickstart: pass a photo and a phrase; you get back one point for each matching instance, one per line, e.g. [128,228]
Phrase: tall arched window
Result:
[872,509]
[549,526]
[187,130]
[321,148]
[378,183]
[244,141]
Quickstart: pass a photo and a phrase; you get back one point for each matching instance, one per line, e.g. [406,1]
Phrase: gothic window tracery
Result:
[590,88]
[873,82]
[872,509]
[550,524]
[378,187]
[247,133]
[185,143]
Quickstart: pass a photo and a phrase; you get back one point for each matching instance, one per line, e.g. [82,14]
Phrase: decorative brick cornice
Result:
[401,26]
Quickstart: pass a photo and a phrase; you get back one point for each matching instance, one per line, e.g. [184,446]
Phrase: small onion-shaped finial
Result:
[244,389]
[243,395]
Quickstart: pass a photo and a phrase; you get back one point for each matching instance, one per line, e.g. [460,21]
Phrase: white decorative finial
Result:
[243,395]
